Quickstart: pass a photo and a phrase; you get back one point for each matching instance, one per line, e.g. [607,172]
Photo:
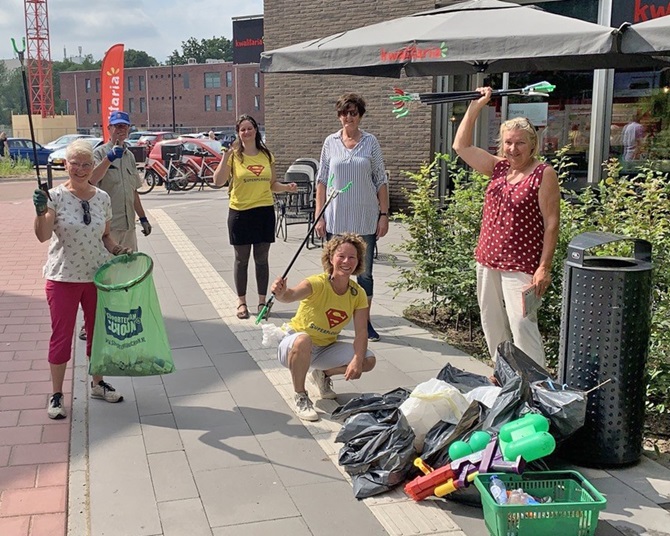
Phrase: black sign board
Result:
[247,40]
[638,10]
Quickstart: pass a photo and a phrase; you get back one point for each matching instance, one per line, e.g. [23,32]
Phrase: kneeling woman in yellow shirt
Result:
[250,169]
[328,301]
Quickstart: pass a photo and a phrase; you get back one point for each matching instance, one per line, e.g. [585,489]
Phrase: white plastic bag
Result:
[429,403]
[486,395]
[272,335]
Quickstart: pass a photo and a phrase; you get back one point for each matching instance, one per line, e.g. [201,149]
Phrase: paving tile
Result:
[39,453]
[17,476]
[268,424]
[28,376]
[294,526]
[122,496]
[300,461]
[315,499]
[171,476]
[254,490]
[648,478]
[48,524]
[22,402]
[188,358]
[199,312]
[11,366]
[20,435]
[184,517]
[45,388]
[198,380]
[9,418]
[57,433]
[15,526]
[152,400]
[38,416]
[21,502]
[160,433]
[51,474]
[383,378]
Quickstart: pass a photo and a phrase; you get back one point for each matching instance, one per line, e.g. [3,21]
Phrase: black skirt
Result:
[253,226]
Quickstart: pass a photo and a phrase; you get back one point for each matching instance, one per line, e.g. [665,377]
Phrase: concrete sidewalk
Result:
[214,449]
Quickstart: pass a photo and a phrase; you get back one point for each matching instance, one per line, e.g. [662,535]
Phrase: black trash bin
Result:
[605,329]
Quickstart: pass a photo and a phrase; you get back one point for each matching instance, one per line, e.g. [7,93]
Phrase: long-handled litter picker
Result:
[401,100]
[20,53]
[333,193]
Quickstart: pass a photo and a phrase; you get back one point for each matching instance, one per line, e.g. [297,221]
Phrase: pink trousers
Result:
[64,299]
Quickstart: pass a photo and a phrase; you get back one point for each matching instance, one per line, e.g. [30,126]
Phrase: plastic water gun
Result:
[518,442]
[461,471]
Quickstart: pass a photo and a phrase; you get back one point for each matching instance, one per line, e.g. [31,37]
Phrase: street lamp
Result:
[174,126]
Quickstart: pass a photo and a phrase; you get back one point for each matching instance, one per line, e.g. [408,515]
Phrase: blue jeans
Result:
[365,279]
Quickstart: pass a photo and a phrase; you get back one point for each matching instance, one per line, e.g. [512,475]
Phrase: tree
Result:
[217,48]
[138,58]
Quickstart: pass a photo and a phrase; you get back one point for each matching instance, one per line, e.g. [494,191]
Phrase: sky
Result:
[157,27]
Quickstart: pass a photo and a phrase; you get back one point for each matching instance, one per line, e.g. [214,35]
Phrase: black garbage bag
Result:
[372,402]
[565,408]
[442,435]
[377,452]
[462,380]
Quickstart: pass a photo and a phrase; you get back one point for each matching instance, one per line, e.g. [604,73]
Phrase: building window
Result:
[88,106]
[212,80]
[257,79]
[97,85]
[229,78]
[87,85]
[141,82]
[208,103]
[131,105]
[229,103]
[217,103]
[143,105]
[186,82]
[257,102]
[131,83]
[97,106]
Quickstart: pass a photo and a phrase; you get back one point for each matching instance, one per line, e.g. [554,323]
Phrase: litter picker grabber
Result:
[401,100]
[20,53]
[332,194]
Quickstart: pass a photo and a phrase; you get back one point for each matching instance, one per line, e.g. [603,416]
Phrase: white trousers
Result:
[500,301]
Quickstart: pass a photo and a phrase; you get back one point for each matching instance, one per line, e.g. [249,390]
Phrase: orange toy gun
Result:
[459,473]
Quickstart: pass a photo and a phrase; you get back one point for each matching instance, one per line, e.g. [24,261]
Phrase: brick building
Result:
[300,109]
[209,95]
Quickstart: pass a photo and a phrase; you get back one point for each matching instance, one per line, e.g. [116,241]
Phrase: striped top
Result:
[357,210]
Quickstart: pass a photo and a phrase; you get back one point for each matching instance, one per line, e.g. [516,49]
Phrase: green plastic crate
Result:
[572,512]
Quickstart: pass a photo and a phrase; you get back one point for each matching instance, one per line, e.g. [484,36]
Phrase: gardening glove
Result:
[121,250]
[114,153]
[40,202]
[146,226]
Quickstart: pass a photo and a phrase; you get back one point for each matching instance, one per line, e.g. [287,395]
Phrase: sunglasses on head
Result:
[87,212]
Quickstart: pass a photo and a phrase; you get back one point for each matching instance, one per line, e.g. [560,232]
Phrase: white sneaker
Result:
[105,392]
[55,409]
[324,384]
[304,408]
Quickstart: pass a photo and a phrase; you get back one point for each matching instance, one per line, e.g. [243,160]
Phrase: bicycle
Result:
[176,176]
[204,172]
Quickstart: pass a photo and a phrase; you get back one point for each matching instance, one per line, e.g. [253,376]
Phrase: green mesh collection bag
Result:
[129,337]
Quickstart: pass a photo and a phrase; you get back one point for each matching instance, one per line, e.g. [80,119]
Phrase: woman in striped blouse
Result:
[352,154]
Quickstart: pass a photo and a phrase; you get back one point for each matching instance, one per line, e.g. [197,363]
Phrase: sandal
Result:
[244,313]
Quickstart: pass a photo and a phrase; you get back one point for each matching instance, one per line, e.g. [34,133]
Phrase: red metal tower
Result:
[38,53]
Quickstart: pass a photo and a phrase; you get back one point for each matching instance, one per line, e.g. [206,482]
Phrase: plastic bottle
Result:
[518,496]
[498,489]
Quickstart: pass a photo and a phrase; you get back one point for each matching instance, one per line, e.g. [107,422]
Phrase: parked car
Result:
[57,158]
[134,137]
[65,140]
[191,149]
[22,148]
[152,138]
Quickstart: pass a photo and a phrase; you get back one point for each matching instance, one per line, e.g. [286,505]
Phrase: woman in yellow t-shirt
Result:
[250,169]
[328,302]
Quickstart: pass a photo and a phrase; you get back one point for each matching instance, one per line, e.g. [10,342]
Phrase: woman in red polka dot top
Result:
[519,228]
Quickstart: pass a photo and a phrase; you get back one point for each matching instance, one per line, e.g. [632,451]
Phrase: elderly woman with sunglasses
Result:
[519,229]
[75,216]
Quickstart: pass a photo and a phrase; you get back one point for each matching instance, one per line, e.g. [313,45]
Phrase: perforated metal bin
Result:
[605,328]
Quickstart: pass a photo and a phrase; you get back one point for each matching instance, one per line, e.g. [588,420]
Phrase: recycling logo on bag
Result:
[121,325]
[335,317]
